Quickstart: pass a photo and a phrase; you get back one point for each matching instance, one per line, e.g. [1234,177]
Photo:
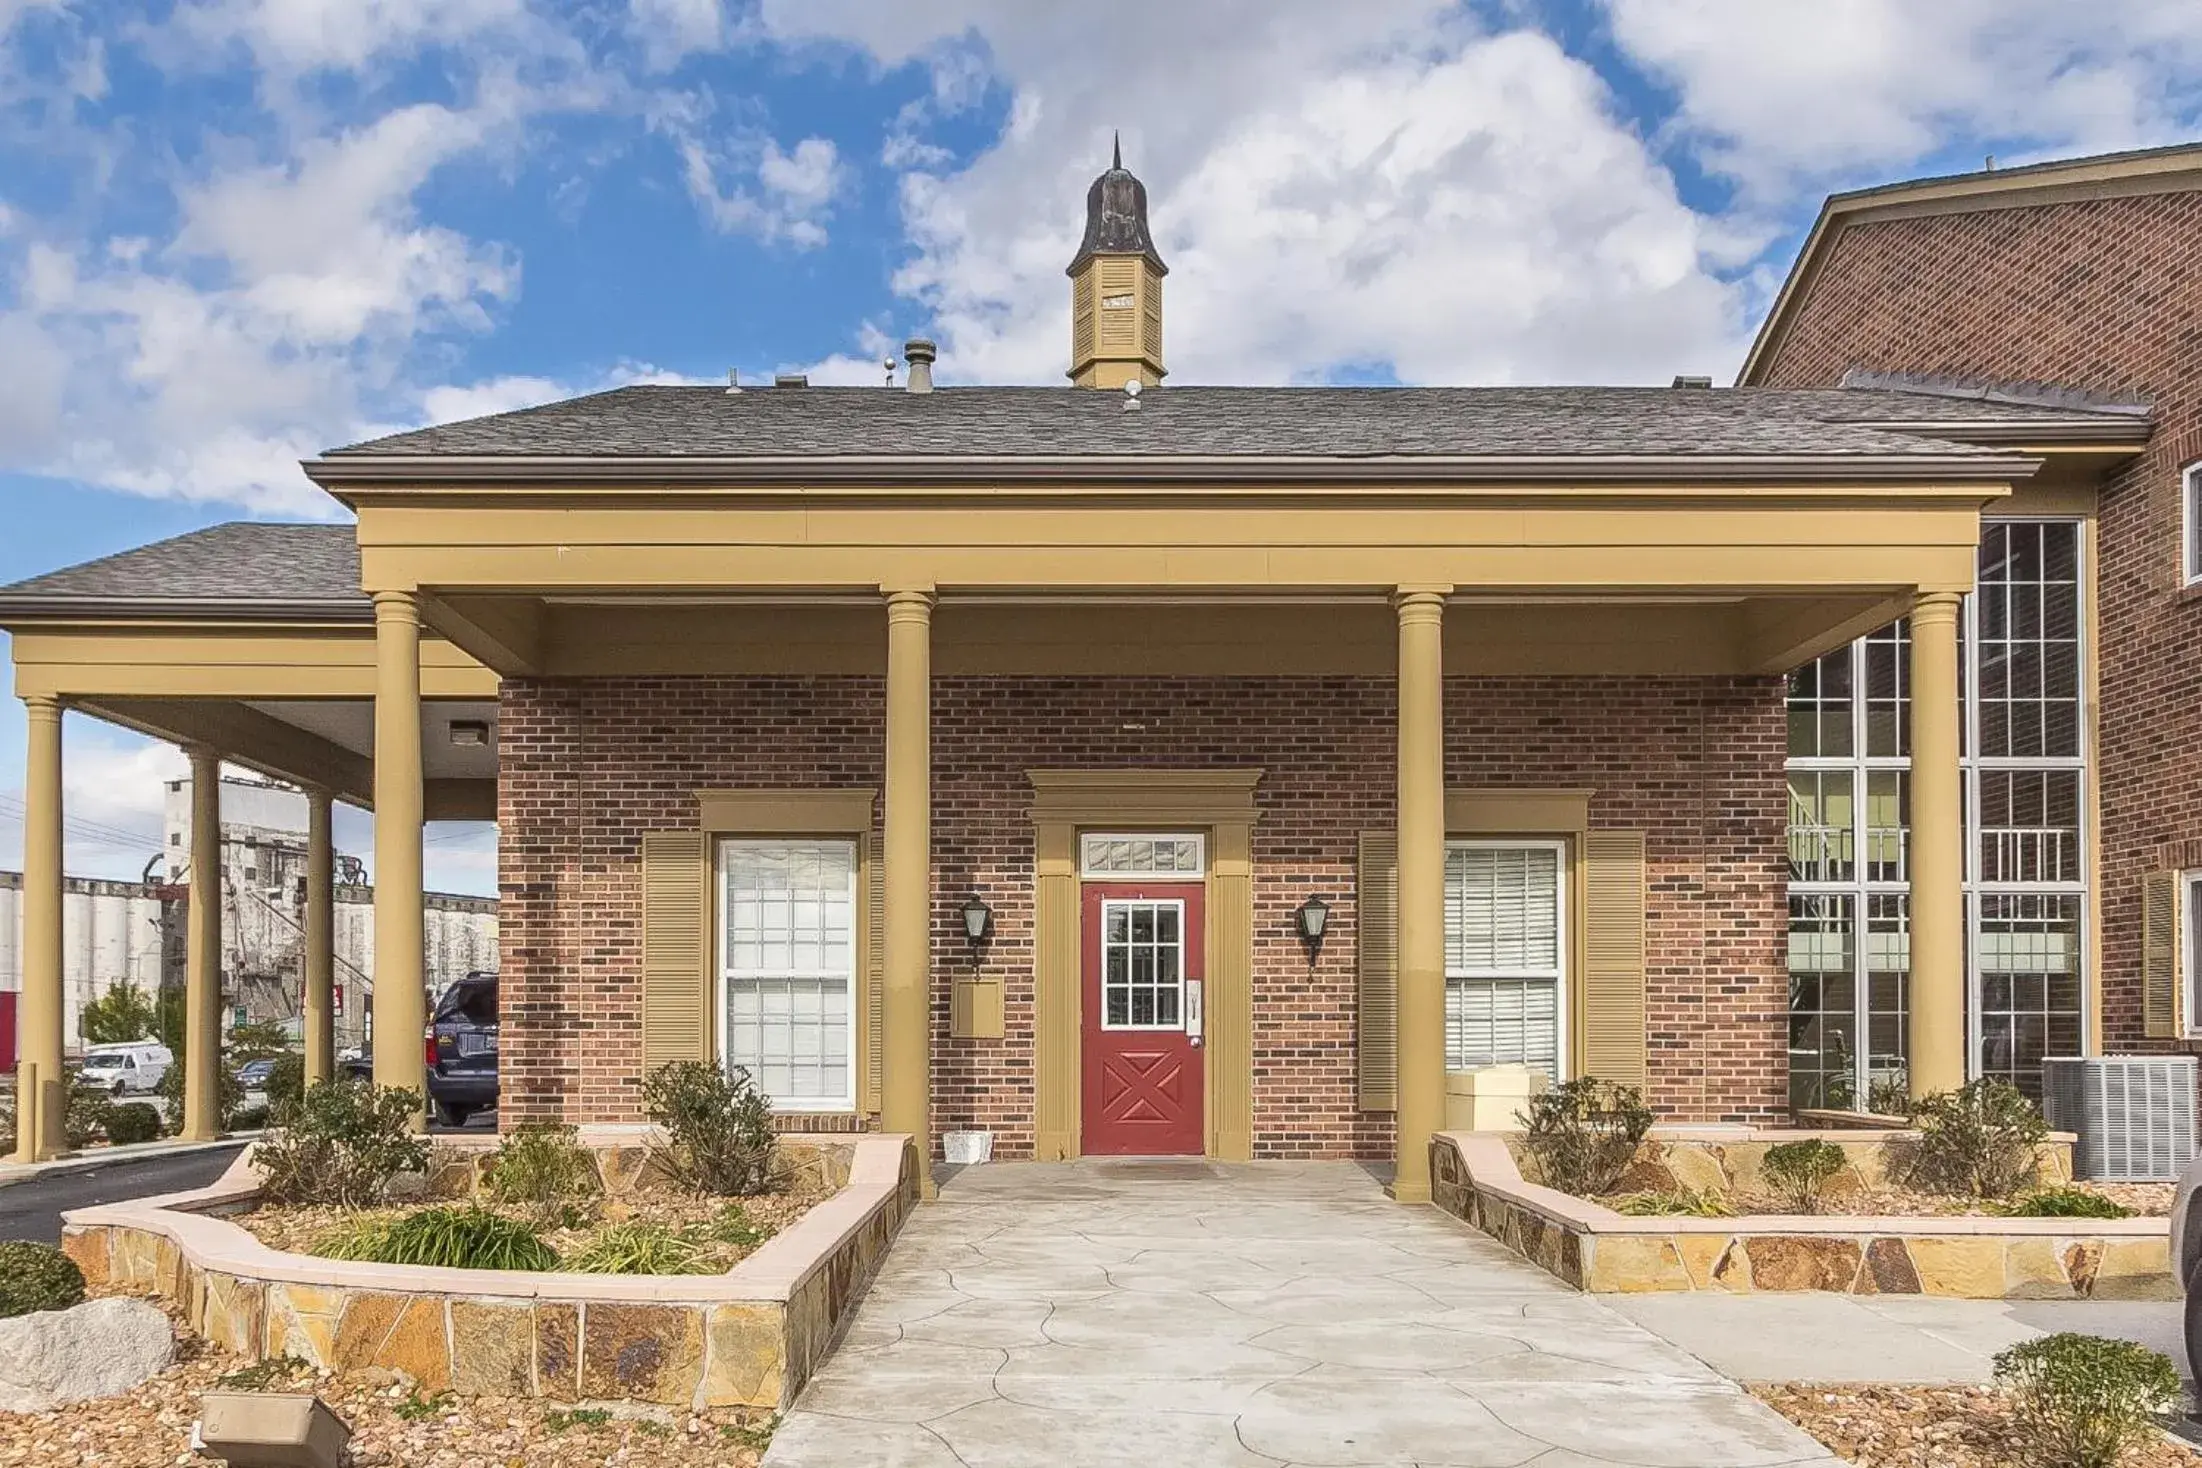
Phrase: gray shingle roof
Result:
[1323,422]
[239,565]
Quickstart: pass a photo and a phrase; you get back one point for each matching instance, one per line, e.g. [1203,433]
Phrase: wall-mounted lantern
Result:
[978,918]
[1313,916]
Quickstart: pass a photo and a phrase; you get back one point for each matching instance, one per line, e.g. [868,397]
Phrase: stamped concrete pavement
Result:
[1196,1315]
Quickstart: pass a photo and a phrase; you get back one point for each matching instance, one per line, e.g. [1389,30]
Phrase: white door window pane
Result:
[1503,942]
[788,977]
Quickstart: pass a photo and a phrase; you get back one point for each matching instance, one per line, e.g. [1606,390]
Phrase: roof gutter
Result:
[337,472]
[81,606]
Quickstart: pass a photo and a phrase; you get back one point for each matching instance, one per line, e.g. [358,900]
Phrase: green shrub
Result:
[37,1277]
[229,1093]
[2067,1203]
[542,1167]
[1584,1134]
[1977,1141]
[1683,1202]
[249,1119]
[1889,1096]
[733,1225]
[441,1238]
[286,1087]
[641,1247]
[133,1122]
[1797,1171]
[347,1140]
[718,1127]
[85,1121]
[2083,1401]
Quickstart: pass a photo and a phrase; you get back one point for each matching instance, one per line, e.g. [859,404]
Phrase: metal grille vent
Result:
[2135,1114]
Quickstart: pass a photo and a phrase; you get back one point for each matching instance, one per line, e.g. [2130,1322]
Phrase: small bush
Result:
[37,1277]
[1681,1202]
[441,1238]
[733,1225]
[1889,1096]
[2067,1203]
[1798,1171]
[85,1122]
[346,1142]
[133,1122]
[2083,1401]
[641,1247]
[1977,1141]
[541,1167]
[229,1094]
[718,1130]
[286,1087]
[1584,1134]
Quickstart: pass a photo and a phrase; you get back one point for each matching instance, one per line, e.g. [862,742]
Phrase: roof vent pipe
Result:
[919,353]
[1693,382]
[791,379]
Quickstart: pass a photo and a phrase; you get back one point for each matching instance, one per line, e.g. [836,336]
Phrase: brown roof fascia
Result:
[44,607]
[2112,175]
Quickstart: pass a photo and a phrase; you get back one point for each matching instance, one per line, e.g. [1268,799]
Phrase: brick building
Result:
[1113,767]
[2075,282]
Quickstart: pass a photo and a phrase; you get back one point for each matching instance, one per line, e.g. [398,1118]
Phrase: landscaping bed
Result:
[394,1424]
[2140,1200]
[1931,1427]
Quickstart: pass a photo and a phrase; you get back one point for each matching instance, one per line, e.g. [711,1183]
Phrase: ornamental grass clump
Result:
[2084,1402]
[342,1145]
[718,1128]
[442,1238]
[1583,1134]
[2067,1203]
[1979,1141]
[642,1247]
[1799,1172]
[1676,1203]
[36,1277]
[543,1168]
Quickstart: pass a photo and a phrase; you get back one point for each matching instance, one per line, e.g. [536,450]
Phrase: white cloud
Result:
[744,181]
[112,789]
[670,30]
[1782,96]
[1382,185]
[289,36]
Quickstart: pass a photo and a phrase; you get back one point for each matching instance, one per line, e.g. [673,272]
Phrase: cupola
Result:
[1116,287]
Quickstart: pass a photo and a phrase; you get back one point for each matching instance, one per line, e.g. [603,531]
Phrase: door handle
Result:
[1194,1025]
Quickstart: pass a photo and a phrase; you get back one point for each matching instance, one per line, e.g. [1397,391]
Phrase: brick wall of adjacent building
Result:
[2104,295]
[588,767]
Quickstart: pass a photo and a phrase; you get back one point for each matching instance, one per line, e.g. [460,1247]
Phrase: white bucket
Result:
[968,1147]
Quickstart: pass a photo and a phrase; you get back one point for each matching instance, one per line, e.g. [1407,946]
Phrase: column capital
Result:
[1421,603]
[909,603]
[398,606]
[41,706]
[203,755]
[1936,606]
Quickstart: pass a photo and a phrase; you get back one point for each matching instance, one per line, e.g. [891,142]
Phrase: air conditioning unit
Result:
[2135,1114]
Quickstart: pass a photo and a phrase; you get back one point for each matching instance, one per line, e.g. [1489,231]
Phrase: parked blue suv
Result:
[461,1049]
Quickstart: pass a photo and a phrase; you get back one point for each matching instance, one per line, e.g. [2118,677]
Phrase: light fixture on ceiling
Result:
[469,734]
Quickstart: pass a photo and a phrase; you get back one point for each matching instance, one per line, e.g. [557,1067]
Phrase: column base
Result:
[1412,1192]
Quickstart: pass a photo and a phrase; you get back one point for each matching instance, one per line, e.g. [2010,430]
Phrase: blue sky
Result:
[233,232]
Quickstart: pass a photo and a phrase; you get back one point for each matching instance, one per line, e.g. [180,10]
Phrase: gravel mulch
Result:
[2151,1200]
[393,1426]
[1929,1427]
[297,1228]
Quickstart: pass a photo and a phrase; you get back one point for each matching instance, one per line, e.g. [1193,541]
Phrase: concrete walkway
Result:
[1189,1315]
[1890,1338]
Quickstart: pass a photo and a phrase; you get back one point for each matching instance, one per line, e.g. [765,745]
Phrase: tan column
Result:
[202,1098]
[39,1092]
[320,949]
[905,1090]
[401,1003]
[1421,816]
[1936,851]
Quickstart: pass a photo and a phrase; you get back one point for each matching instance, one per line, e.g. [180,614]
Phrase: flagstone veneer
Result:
[749,1337]
[1474,1177]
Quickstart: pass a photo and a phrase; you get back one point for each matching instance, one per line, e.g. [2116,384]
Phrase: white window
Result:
[2190,521]
[1102,854]
[787,968]
[1505,952]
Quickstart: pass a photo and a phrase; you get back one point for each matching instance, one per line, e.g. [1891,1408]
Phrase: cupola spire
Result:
[1116,285]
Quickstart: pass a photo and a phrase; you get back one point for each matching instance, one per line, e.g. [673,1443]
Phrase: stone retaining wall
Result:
[1728,1159]
[1474,1177]
[749,1337]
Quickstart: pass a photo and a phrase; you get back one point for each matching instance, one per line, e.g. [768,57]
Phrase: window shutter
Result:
[676,882]
[2163,998]
[1376,924]
[871,1006]
[1613,956]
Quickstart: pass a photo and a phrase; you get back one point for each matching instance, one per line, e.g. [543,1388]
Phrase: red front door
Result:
[1143,971]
